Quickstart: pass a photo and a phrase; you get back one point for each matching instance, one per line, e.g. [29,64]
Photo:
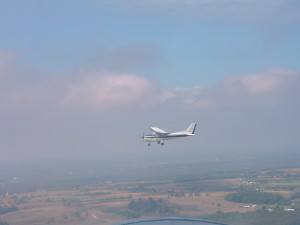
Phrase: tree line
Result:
[4,210]
[151,205]
[260,217]
[254,197]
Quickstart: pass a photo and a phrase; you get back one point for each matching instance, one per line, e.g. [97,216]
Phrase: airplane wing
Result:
[159,131]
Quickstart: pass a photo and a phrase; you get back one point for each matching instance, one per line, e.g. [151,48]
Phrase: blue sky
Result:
[71,63]
[57,36]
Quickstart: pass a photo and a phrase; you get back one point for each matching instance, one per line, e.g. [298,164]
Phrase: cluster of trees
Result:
[22,200]
[254,197]
[98,193]
[276,217]
[295,195]
[4,210]
[3,223]
[151,206]
[72,202]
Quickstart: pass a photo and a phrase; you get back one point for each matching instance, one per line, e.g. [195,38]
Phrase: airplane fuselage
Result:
[155,138]
[160,140]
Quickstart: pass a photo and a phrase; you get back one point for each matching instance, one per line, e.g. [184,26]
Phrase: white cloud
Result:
[265,82]
[112,90]
[193,98]
[237,90]
[107,90]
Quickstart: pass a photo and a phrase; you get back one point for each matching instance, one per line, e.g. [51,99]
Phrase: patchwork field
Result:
[108,202]
[83,207]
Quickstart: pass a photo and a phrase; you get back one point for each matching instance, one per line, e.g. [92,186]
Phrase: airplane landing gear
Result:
[160,142]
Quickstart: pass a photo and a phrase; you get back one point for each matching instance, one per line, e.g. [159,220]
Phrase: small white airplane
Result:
[160,135]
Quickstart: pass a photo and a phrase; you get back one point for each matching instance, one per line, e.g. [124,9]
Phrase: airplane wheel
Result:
[148,144]
[162,143]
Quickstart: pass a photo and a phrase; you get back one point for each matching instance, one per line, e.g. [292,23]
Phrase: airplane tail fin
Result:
[191,129]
